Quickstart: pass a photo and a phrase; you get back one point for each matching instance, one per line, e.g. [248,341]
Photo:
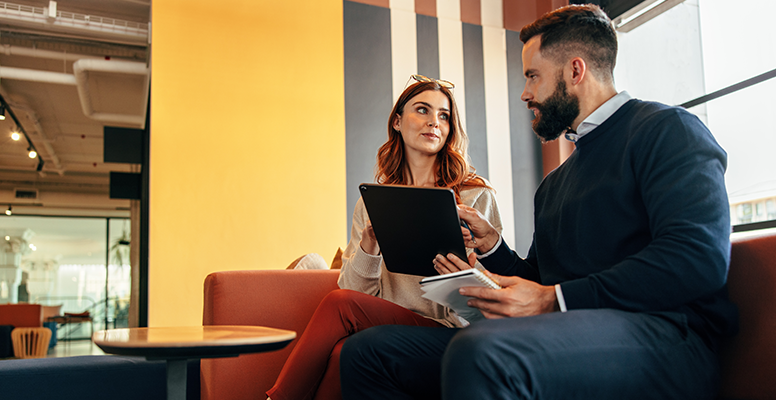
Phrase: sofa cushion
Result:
[309,261]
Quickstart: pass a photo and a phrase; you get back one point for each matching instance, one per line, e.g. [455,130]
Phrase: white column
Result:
[404,44]
[497,119]
[451,50]
[492,13]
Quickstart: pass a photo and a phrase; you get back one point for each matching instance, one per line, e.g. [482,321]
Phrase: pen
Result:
[465,225]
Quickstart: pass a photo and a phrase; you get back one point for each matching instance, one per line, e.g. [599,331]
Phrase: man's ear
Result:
[578,70]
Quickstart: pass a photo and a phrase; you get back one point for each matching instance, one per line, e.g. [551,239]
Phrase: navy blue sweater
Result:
[636,219]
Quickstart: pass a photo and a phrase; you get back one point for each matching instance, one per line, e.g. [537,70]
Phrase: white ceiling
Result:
[96,51]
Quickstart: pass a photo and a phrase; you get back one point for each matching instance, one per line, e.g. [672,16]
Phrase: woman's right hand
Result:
[369,241]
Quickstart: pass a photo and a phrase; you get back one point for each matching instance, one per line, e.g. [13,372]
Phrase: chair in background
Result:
[16,316]
[49,312]
[30,342]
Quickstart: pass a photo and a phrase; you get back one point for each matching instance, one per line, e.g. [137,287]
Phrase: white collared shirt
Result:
[600,115]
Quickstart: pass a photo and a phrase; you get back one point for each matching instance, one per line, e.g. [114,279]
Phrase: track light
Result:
[8,212]
[33,153]
[15,136]
[2,113]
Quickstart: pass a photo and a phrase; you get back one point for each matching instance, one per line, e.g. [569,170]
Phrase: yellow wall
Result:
[247,142]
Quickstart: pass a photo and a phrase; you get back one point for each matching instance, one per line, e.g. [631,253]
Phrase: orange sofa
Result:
[21,315]
[287,298]
[276,298]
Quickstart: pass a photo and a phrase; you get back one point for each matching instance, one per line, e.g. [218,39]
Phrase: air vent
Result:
[26,194]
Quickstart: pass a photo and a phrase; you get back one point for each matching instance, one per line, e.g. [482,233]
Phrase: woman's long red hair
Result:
[453,169]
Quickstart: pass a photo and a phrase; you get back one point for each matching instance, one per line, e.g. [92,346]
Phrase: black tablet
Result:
[412,225]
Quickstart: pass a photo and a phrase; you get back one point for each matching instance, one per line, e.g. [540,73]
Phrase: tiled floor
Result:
[71,348]
[74,348]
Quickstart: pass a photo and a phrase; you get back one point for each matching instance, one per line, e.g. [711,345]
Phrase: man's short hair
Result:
[583,30]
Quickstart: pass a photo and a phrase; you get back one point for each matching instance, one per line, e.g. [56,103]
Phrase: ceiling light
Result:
[15,136]
[7,238]
[33,153]
[2,113]
[8,212]
[645,11]
[638,13]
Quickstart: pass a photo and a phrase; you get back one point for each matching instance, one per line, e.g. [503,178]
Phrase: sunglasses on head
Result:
[440,82]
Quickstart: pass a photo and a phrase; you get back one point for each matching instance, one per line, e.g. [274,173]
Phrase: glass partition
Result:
[59,262]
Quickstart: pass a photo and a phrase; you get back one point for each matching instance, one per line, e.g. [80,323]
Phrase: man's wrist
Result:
[490,241]
[488,245]
[552,299]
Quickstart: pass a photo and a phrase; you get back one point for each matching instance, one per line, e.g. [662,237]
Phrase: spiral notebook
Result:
[443,289]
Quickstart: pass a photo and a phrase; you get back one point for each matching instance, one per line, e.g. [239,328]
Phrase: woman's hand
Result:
[483,235]
[451,263]
[369,241]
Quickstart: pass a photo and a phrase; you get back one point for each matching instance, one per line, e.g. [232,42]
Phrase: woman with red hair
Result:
[426,147]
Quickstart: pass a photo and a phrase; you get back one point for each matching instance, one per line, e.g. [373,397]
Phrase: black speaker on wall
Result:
[125,185]
[122,145]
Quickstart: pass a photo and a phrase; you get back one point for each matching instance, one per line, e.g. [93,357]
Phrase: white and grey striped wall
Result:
[383,46]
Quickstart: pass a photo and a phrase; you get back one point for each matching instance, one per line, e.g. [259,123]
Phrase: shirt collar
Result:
[600,115]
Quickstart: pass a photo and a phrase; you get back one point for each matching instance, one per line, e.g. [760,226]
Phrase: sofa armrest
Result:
[275,298]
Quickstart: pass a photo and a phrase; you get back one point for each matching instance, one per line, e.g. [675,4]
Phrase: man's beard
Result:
[556,114]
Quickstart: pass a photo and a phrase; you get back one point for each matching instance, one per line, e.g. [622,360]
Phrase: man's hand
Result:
[484,235]
[517,298]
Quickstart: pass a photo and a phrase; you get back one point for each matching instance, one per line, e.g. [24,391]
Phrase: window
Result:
[700,47]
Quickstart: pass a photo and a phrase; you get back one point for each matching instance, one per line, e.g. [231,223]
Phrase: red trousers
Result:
[341,313]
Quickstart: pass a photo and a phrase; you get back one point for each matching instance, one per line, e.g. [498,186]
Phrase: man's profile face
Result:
[546,94]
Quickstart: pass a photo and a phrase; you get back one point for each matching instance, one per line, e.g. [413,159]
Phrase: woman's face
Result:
[424,123]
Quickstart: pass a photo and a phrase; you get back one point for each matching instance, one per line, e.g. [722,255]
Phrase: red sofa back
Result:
[21,315]
[749,360]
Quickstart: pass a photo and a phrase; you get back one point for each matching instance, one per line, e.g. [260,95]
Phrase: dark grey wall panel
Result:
[367,41]
[428,46]
[526,148]
[474,74]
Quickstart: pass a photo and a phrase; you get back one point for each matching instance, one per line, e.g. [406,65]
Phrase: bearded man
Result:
[622,294]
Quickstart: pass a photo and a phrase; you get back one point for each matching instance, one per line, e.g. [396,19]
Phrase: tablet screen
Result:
[412,225]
